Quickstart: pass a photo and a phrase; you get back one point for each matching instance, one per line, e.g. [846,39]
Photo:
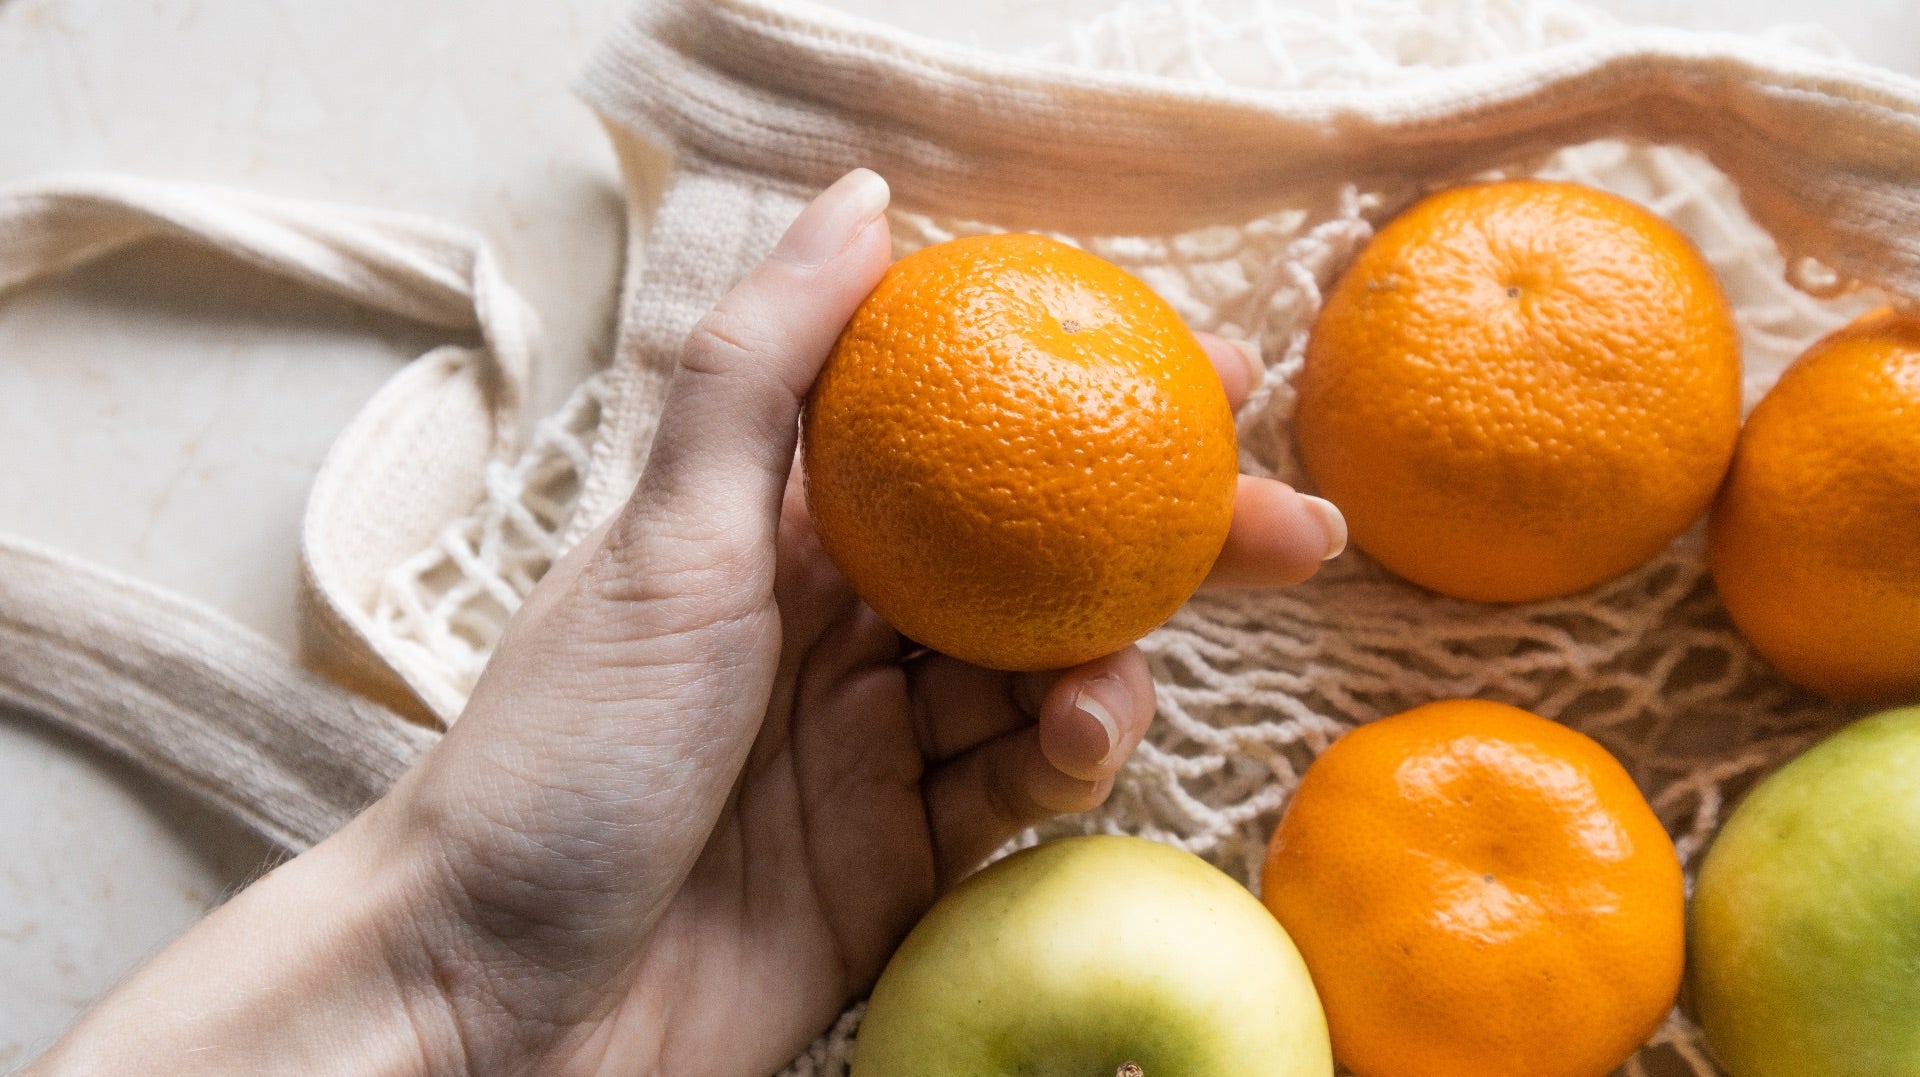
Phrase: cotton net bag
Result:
[1234,158]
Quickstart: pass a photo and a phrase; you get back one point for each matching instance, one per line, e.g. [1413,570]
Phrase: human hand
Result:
[702,791]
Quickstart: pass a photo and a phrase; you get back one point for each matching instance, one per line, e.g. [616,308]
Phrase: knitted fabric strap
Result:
[1825,151]
[192,698]
[179,689]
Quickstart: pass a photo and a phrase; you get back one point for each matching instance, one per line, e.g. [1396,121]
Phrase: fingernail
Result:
[1332,520]
[1256,366]
[831,220]
[1090,701]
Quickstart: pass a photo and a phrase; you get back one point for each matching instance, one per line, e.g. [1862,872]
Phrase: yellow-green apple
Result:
[1804,940]
[1091,957]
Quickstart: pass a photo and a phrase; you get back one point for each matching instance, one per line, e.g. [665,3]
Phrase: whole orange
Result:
[1018,454]
[1478,892]
[1520,389]
[1815,539]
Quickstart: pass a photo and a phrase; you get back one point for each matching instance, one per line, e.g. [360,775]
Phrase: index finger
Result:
[1238,363]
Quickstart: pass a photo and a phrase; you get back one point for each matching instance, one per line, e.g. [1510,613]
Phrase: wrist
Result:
[316,968]
[480,946]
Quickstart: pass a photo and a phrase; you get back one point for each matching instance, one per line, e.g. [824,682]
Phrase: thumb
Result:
[671,601]
[693,549]
[728,425]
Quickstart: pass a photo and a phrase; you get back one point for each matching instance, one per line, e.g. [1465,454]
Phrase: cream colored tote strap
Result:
[180,689]
[419,269]
[193,698]
[416,457]
[1825,151]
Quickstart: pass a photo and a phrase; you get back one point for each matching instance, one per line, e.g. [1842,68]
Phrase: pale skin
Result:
[701,791]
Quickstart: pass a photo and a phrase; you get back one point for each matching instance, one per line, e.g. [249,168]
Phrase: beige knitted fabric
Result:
[193,698]
[180,689]
[1233,156]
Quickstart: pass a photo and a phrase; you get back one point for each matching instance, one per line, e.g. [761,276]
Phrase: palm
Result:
[827,851]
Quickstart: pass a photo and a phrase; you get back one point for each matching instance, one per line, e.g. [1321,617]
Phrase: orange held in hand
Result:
[1815,540]
[1478,892]
[1520,389]
[1018,454]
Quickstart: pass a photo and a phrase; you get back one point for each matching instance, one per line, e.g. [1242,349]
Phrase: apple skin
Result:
[1075,957]
[1804,939]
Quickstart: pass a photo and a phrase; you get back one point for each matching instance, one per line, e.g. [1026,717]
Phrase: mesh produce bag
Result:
[1233,157]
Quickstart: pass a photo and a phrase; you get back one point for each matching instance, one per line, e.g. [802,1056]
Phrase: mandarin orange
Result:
[1815,539]
[1018,454]
[1478,892]
[1520,389]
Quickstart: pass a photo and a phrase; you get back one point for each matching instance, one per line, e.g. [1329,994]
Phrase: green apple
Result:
[1804,937]
[1091,957]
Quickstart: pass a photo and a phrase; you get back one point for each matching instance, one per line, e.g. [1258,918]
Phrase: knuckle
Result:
[727,341]
[684,574]
[1009,797]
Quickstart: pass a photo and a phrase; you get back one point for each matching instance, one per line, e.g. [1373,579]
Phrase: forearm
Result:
[315,969]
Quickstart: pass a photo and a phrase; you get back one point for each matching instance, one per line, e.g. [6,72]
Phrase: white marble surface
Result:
[163,413]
